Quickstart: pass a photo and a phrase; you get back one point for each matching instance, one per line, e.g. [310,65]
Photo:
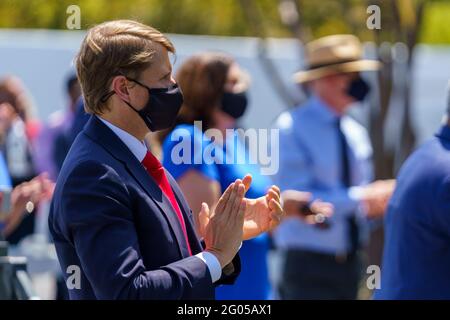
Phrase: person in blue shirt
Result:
[214,89]
[416,259]
[219,104]
[326,152]
[16,202]
[5,186]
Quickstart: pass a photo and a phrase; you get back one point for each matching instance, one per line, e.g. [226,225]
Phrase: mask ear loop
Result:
[111,93]
[133,108]
[107,96]
[139,83]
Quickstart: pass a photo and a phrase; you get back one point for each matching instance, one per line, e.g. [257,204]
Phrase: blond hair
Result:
[120,47]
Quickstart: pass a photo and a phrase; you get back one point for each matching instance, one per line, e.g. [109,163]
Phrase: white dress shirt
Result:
[139,150]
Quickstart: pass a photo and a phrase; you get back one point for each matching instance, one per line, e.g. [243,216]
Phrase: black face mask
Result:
[162,107]
[234,104]
[358,89]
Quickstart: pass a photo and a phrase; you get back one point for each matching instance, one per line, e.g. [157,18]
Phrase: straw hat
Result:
[332,55]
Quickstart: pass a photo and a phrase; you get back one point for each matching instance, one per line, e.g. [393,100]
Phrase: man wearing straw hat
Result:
[326,152]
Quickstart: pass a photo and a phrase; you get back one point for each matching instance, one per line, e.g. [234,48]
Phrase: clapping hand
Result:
[261,215]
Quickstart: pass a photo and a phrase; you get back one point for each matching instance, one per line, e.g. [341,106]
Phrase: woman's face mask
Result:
[234,104]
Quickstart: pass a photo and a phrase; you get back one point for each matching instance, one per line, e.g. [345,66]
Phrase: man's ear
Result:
[119,85]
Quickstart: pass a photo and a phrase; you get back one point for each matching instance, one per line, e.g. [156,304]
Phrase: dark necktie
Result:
[156,170]
[346,181]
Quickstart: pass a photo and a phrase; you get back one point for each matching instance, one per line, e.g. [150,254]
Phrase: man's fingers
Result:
[273,194]
[241,213]
[230,202]
[204,212]
[275,206]
[221,204]
[276,211]
[238,200]
[276,189]
[247,181]
[203,218]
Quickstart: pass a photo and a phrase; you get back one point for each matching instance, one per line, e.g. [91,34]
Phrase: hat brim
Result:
[346,67]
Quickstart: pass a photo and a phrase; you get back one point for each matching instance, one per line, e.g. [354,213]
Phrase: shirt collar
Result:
[137,148]
[323,110]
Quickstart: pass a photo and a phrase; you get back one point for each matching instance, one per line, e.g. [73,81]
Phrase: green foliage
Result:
[436,26]
[215,17]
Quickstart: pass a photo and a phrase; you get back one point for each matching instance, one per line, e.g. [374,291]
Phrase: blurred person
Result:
[53,142]
[16,203]
[52,146]
[65,139]
[23,103]
[22,201]
[416,258]
[5,191]
[327,153]
[80,120]
[215,93]
[116,213]
[17,133]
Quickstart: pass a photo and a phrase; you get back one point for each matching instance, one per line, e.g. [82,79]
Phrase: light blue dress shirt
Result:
[310,160]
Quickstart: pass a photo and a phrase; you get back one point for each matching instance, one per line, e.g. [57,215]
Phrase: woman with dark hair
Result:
[214,89]
[214,93]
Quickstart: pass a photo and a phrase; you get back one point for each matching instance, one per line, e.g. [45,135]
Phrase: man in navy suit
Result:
[121,226]
[416,262]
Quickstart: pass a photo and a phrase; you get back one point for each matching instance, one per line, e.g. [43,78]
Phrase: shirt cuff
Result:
[356,193]
[213,264]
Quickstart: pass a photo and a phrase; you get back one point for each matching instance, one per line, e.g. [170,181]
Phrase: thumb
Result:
[247,181]
[203,218]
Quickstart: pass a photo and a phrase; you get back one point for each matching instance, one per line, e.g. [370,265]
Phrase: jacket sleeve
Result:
[230,272]
[441,206]
[99,220]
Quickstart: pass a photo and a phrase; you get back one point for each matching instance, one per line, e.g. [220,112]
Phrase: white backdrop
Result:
[43,59]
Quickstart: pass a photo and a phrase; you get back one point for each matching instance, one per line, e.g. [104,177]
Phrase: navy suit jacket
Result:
[416,262]
[111,221]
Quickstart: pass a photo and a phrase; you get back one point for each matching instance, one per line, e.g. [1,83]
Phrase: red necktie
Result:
[156,170]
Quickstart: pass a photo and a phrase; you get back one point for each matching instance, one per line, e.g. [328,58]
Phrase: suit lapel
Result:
[196,247]
[114,145]
[148,184]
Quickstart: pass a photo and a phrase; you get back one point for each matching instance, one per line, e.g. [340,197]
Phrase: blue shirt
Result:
[5,179]
[310,160]
[416,258]
[204,156]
